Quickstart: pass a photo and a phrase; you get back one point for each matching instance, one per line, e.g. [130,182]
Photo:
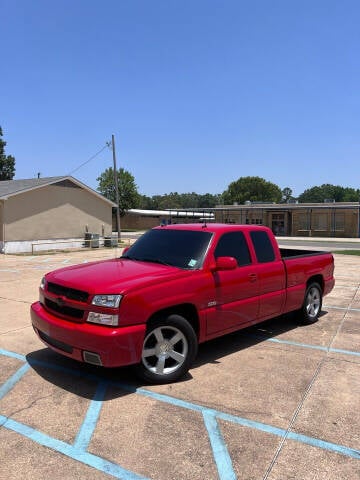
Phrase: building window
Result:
[339,222]
[303,221]
[254,221]
[320,221]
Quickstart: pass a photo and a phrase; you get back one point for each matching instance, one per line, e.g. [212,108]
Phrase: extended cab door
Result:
[271,275]
[235,300]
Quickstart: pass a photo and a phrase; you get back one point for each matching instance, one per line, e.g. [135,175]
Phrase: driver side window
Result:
[233,244]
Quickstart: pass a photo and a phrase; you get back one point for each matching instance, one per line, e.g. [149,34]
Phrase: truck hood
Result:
[114,276]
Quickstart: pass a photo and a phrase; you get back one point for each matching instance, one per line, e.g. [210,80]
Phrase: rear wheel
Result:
[170,347]
[311,308]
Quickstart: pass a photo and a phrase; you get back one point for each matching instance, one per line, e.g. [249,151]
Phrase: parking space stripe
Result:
[59,446]
[13,380]
[89,424]
[220,451]
[303,345]
[83,438]
[280,432]
[331,307]
[245,422]
[8,353]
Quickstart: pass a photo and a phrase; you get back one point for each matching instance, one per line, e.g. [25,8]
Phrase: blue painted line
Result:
[218,446]
[89,459]
[342,308]
[345,352]
[88,426]
[198,408]
[280,432]
[302,345]
[13,380]
[8,353]
[333,447]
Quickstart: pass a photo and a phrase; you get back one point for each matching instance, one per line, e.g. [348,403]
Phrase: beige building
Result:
[50,210]
[340,219]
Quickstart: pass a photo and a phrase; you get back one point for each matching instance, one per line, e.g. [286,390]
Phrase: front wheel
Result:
[311,308]
[170,347]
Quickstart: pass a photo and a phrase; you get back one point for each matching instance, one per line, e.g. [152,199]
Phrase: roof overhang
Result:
[55,180]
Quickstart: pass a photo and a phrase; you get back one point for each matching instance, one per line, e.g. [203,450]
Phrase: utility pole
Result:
[116,188]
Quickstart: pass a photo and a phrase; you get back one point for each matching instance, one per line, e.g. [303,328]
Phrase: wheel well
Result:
[186,310]
[318,279]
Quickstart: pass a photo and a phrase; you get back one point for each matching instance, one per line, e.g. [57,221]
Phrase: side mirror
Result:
[225,263]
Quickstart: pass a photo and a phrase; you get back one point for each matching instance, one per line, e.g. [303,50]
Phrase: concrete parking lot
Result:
[277,401]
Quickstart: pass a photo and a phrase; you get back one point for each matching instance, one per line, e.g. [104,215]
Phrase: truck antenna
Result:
[204,224]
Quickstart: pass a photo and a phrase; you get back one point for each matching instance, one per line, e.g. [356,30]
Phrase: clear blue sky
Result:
[197,92]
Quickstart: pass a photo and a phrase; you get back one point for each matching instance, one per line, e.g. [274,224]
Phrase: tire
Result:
[169,348]
[311,308]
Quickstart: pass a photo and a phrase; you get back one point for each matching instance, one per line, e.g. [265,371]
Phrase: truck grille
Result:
[70,293]
[71,312]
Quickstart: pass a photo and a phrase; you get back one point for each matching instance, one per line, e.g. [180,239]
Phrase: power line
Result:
[107,145]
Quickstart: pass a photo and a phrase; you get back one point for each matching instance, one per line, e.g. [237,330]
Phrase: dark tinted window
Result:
[263,247]
[233,244]
[179,248]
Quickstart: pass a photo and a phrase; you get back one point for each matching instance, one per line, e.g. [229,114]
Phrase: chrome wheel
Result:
[165,350]
[313,302]
[311,308]
[169,348]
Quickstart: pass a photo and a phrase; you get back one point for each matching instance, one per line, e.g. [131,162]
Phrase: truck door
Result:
[271,276]
[235,291]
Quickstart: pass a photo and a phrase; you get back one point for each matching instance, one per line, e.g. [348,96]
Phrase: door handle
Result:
[252,277]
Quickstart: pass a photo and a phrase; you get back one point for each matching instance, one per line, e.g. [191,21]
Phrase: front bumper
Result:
[115,347]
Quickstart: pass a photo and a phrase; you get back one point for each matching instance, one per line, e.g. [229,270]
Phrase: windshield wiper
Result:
[157,260]
[144,259]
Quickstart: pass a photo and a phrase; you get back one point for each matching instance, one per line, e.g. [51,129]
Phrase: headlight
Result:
[43,283]
[109,301]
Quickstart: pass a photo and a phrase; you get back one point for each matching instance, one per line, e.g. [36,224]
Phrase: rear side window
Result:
[263,247]
[233,244]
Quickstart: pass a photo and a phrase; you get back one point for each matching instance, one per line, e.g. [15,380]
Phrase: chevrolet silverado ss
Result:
[175,287]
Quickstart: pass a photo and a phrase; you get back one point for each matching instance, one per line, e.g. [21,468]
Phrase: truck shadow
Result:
[82,379]
[214,350]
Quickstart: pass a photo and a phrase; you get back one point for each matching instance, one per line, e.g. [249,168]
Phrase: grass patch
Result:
[348,252]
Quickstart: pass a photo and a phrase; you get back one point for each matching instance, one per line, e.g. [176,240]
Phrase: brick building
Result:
[299,219]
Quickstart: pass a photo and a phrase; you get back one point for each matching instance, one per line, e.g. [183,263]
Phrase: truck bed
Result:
[295,252]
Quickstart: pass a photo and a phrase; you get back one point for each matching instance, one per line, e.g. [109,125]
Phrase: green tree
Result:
[7,162]
[128,193]
[254,189]
[208,200]
[286,195]
[319,194]
[174,200]
[146,203]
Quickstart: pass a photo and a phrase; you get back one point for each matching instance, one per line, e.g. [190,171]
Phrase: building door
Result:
[278,225]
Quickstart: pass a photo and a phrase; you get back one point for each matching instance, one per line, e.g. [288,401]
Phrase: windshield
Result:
[179,248]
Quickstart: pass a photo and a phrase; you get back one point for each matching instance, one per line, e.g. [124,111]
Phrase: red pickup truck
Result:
[175,287]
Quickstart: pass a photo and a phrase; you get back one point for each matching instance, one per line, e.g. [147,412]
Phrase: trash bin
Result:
[110,242]
[92,240]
